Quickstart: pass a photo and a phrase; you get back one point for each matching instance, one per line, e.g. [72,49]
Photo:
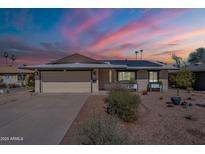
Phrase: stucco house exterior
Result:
[11,75]
[77,73]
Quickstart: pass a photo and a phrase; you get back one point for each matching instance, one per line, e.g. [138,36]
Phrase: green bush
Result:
[102,131]
[123,103]
[30,81]
[184,79]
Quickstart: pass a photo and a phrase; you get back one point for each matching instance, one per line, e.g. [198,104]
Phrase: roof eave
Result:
[152,68]
[74,68]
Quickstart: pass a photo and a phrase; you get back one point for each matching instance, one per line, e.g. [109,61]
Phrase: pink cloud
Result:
[148,36]
[137,26]
[91,20]
[176,41]
[68,33]
[32,60]
[129,43]
[185,36]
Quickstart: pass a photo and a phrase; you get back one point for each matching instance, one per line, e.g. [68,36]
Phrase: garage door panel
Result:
[63,82]
[63,87]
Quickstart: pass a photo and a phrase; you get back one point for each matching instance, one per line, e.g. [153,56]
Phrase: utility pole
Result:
[136,52]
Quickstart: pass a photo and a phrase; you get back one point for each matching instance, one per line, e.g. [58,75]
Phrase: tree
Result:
[184,79]
[13,58]
[197,57]
[6,56]
[30,83]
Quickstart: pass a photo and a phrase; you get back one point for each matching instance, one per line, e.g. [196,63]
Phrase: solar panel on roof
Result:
[133,63]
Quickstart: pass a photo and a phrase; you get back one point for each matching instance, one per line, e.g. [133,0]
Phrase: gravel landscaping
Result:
[158,123]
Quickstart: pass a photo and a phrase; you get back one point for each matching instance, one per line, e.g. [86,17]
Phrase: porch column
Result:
[95,78]
[142,79]
[37,81]
[110,76]
[163,77]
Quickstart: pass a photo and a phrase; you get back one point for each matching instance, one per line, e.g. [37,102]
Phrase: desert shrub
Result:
[102,130]
[123,103]
[30,81]
[116,86]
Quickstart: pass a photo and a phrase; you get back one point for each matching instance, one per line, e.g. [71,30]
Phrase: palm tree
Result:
[13,58]
[197,57]
[177,59]
[6,56]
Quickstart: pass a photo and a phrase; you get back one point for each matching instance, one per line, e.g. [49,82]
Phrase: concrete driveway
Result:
[40,119]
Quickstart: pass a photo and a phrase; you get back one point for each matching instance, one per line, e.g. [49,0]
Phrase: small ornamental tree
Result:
[184,79]
[30,81]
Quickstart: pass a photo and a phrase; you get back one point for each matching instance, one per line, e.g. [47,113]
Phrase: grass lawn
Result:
[157,123]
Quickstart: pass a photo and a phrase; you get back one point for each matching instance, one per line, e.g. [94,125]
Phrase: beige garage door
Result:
[66,81]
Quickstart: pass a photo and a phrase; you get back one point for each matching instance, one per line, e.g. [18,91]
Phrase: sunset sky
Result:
[42,35]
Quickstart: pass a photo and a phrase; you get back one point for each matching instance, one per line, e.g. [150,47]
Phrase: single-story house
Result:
[199,73]
[78,73]
[10,75]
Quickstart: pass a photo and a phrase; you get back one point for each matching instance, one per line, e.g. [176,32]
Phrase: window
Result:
[153,76]
[94,76]
[126,76]
[21,77]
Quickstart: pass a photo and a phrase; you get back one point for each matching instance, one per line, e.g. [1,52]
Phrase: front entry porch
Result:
[138,80]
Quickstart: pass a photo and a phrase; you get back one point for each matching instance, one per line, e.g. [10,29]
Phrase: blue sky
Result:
[42,35]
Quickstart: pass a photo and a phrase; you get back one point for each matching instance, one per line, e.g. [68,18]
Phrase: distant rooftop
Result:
[12,70]
[196,67]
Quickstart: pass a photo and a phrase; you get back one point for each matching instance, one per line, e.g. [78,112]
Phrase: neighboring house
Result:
[199,72]
[78,73]
[13,76]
